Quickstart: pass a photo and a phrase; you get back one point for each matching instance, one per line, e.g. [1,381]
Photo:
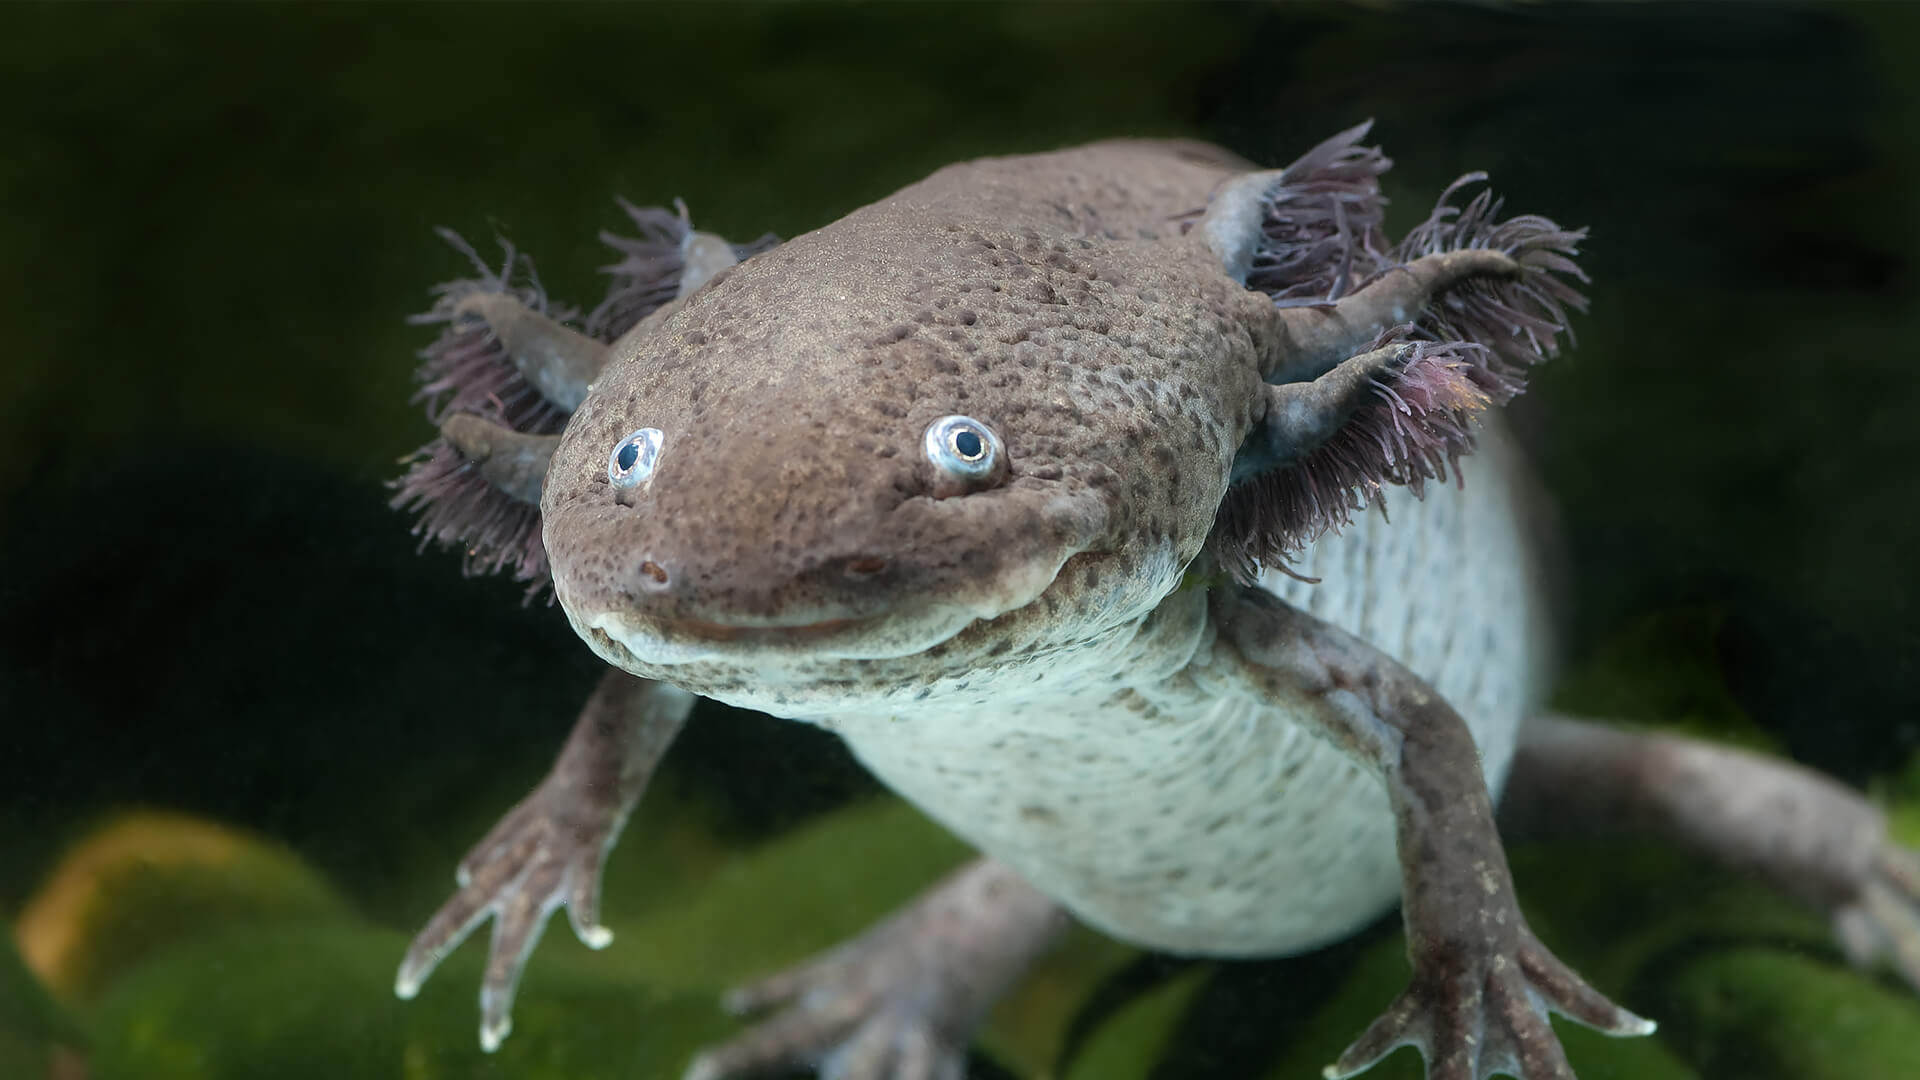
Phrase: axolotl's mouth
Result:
[670,642]
[637,640]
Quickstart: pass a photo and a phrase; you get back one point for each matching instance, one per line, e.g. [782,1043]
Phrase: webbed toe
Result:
[1485,1013]
[902,1001]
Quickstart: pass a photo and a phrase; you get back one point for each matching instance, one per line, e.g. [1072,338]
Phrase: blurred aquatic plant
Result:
[37,1035]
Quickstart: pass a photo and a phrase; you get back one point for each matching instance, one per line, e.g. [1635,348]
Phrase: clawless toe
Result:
[549,850]
[1884,920]
[902,1001]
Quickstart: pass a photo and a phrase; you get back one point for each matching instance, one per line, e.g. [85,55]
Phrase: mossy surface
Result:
[299,1002]
[1900,794]
[32,1024]
[825,882]
[1758,1009]
[1662,667]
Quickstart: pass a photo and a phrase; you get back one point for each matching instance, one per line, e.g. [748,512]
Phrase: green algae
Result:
[1759,1010]
[305,1001]
[31,1022]
[1663,666]
[1135,1037]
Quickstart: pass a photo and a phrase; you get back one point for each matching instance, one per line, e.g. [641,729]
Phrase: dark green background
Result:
[214,219]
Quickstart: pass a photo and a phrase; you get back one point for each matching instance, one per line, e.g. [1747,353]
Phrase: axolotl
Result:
[1057,486]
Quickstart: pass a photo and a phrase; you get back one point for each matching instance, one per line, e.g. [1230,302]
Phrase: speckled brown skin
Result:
[1119,364]
[792,551]
[1221,769]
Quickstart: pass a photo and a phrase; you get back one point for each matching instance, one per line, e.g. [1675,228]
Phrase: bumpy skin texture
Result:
[1113,357]
[1053,658]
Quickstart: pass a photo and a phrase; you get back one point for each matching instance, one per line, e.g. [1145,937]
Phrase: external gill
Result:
[666,262]
[1381,384]
[1304,234]
[1313,340]
[507,371]
[1422,390]
[1323,450]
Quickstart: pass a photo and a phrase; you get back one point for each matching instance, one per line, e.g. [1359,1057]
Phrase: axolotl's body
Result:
[982,477]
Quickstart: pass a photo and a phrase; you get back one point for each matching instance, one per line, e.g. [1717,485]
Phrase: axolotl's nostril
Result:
[654,577]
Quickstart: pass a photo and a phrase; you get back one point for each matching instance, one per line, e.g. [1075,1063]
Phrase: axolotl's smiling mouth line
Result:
[911,626]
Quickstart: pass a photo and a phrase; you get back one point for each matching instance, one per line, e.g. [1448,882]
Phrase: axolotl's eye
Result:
[633,457]
[963,448]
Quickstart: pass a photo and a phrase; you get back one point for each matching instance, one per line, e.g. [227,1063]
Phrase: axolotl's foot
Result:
[1474,1011]
[1809,835]
[902,1001]
[549,850]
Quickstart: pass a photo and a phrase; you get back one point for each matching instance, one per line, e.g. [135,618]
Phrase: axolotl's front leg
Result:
[1482,983]
[549,850]
[902,1000]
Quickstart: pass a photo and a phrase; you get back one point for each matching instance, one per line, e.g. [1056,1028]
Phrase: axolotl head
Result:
[895,455]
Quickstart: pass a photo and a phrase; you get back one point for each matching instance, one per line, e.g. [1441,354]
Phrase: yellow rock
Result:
[146,880]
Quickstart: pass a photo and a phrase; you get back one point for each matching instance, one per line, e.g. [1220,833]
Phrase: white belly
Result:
[1218,827]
